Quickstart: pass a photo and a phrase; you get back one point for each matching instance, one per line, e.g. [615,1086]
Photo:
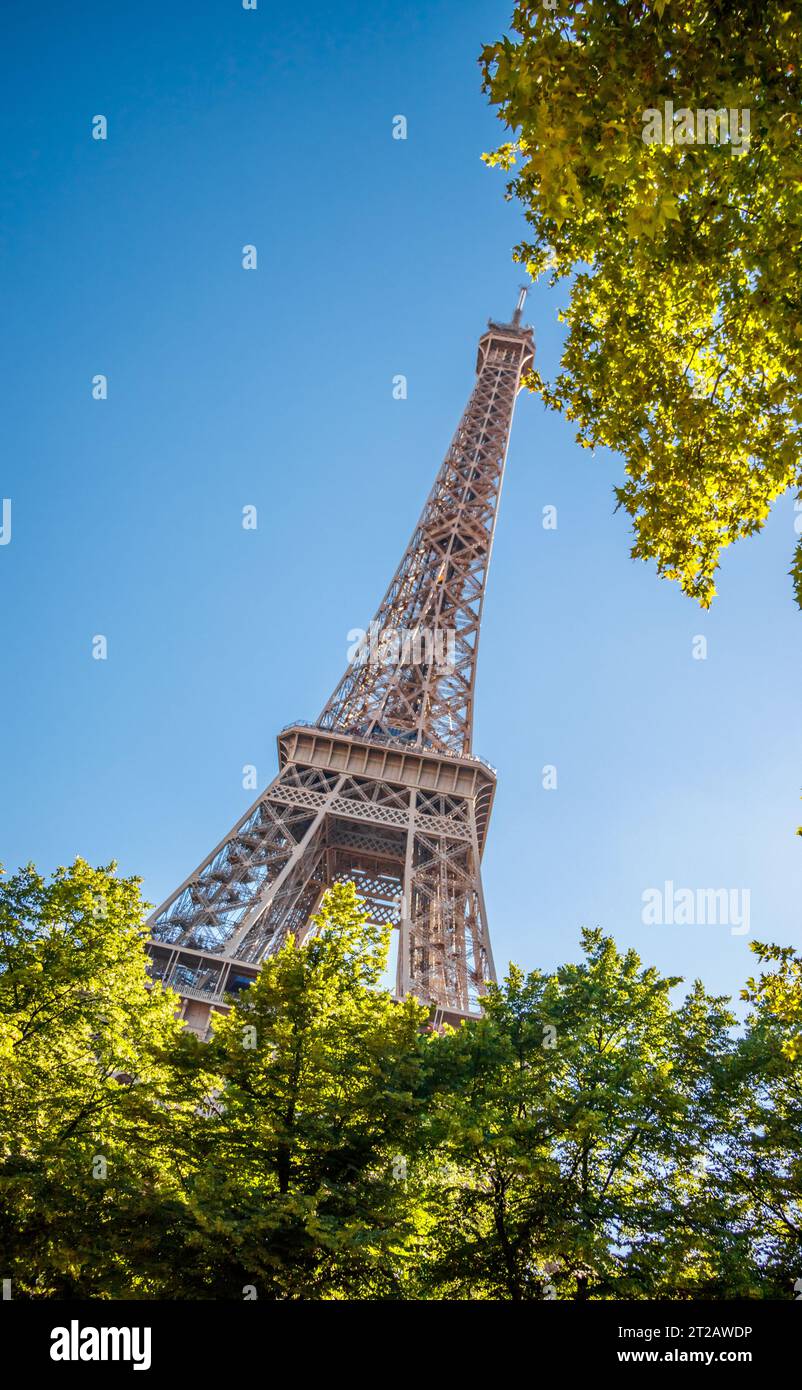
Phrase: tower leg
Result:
[351,811]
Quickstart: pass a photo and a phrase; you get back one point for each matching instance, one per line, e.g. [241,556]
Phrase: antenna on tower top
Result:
[519,308]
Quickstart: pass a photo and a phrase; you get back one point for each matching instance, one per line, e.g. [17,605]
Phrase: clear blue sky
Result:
[274,388]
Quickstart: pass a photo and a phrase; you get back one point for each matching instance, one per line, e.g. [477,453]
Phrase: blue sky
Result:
[274,388]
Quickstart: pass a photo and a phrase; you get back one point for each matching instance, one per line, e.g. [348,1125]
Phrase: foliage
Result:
[588,1137]
[761,1168]
[89,1100]
[577,1114]
[684,339]
[301,1189]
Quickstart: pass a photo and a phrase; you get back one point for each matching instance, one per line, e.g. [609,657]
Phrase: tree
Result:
[658,159]
[586,1138]
[571,1124]
[759,1168]
[89,1100]
[303,1188]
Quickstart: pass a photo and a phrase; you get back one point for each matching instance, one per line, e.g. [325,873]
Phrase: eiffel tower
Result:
[383,789]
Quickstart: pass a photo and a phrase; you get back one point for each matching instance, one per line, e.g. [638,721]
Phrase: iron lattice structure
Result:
[383,789]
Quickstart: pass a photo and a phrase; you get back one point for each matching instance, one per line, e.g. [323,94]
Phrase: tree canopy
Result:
[590,1137]
[91,1104]
[657,154]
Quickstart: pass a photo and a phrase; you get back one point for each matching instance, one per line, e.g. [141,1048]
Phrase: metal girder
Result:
[437,592]
[383,789]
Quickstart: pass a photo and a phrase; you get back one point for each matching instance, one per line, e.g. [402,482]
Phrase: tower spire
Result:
[383,790]
[519,308]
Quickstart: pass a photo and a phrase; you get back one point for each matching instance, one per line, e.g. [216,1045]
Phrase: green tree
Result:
[584,1139]
[572,1123]
[759,1166]
[304,1187]
[684,324]
[89,1100]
